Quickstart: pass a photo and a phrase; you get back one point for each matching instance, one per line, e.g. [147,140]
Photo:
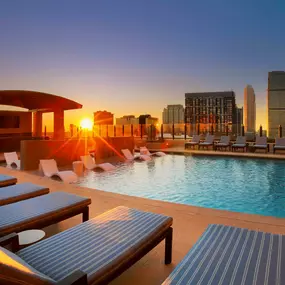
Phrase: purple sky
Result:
[134,57]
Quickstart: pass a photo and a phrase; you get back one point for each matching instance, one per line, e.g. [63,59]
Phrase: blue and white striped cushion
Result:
[97,245]
[6,180]
[21,212]
[232,256]
[18,192]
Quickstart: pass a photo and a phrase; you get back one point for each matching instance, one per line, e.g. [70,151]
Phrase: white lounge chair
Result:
[261,143]
[279,144]
[209,141]
[49,168]
[224,143]
[130,157]
[240,143]
[89,163]
[195,141]
[144,151]
[12,159]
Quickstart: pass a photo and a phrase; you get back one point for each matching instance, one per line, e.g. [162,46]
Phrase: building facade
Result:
[275,102]
[127,120]
[249,109]
[173,114]
[211,108]
[239,120]
[103,118]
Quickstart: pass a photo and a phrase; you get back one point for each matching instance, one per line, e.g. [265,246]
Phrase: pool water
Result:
[255,186]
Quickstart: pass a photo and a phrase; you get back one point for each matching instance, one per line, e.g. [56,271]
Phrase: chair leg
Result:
[85,214]
[168,246]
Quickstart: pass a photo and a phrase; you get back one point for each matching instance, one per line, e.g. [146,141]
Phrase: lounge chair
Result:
[209,142]
[19,192]
[12,159]
[94,252]
[195,141]
[39,212]
[90,164]
[228,255]
[240,143]
[6,180]
[224,143]
[130,157]
[261,143]
[279,144]
[144,151]
[49,168]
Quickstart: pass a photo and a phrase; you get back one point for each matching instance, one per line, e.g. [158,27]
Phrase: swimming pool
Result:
[255,186]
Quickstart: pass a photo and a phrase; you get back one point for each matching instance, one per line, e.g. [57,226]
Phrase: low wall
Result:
[65,152]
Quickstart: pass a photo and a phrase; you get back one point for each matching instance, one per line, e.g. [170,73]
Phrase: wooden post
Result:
[185,131]
[114,131]
[260,131]
[173,131]
[280,131]
[132,130]
[141,131]
[123,130]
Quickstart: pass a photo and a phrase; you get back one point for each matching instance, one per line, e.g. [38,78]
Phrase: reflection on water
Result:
[242,185]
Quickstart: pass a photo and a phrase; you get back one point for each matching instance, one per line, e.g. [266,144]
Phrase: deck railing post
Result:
[132,130]
[161,131]
[198,129]
[280,131]
[114,130]
[185,131]
[173,131]
[260,131]
[123,130]
[107,131]
[141,131]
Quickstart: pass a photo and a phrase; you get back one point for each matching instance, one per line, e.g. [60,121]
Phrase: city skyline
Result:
[136,58]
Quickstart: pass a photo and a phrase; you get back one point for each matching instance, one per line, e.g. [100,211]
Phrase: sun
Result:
[86,124]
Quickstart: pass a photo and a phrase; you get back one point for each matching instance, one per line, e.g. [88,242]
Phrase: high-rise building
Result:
[275,102]
[249,109]
[211,108]
[173,114]
[127,120]
[239,120]
[103,118]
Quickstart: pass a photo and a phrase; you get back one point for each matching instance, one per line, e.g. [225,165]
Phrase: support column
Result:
[58,124]
[37,123]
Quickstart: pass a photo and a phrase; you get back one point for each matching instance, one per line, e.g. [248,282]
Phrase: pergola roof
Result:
[34,100]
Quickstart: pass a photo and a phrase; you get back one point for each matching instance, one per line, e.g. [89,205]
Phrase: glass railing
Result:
[169,131]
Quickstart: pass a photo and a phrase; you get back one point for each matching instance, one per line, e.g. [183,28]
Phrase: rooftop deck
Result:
[189,223]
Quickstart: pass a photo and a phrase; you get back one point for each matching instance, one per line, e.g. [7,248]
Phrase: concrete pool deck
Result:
[189,224]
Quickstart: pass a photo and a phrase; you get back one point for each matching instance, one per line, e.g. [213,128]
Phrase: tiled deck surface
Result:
[189,223]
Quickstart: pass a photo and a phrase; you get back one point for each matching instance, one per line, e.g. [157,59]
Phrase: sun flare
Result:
[86,124]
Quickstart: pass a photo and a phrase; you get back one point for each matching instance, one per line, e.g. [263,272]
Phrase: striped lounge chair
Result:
[94,252]
[40,212]
[6,180]
[279,144]
[19,192]
[228,255]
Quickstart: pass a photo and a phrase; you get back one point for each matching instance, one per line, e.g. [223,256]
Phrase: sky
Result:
[135,57]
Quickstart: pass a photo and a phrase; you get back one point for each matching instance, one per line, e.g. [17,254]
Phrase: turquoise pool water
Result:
[254,186]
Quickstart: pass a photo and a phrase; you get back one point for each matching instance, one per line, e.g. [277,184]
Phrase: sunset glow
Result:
[86,124]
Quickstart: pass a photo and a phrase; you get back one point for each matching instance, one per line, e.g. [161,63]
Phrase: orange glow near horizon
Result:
[86,124]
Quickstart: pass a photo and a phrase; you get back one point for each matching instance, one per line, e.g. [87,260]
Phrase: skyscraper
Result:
[276,102]
[211,108]
[249,109]
[173,114]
